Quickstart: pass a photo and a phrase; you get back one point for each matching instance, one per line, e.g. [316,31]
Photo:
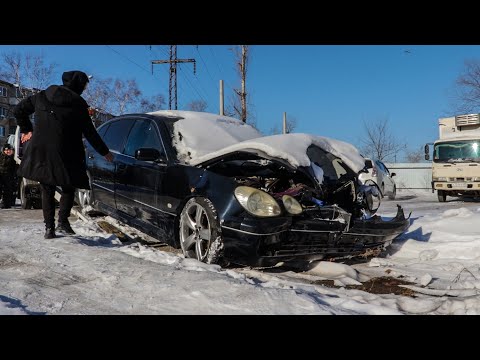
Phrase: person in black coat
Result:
[8,167]
[55,155]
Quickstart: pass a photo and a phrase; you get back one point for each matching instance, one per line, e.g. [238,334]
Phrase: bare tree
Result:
[37,73]
[151,104]
[467,88]
[275,130]
[11,70]
[124,95]
[238,104]
[26,70]
[415,156]
[379,143]
[97,94]
[291,126]
[197,105]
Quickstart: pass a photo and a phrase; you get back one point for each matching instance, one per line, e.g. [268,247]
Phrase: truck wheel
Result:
[442,195]
[25,202]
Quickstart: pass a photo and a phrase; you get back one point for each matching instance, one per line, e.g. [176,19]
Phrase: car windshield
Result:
[196,134]
[333,167]
[457,151]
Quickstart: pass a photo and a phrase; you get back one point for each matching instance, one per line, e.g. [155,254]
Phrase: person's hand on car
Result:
[109,157]
[26,137]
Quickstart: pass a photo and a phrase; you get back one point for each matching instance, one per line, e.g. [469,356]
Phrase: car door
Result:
[387,179]
[137,180]
[101,171]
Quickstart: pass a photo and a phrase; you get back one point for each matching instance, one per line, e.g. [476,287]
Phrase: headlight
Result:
[292,205]
[257,202]
[476,178]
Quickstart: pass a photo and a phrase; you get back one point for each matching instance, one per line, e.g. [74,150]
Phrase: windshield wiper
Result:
[461,160]
[476,160]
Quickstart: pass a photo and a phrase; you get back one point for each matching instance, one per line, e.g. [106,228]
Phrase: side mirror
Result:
[148,154]
[427,152]
[393,174]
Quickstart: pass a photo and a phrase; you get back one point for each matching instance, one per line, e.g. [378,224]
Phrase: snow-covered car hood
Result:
[291,148]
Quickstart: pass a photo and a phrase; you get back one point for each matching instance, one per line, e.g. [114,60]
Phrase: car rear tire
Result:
[37,204]
[24,201]
[393,194]
[200,232]
[85,199]
[441,195]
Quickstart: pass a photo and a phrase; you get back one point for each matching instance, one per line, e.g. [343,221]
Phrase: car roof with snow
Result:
[199,137]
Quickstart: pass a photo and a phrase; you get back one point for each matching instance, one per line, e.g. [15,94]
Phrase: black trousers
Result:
[48,204]
[7,184]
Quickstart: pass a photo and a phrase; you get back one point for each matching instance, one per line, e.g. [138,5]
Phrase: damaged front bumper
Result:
[309,239]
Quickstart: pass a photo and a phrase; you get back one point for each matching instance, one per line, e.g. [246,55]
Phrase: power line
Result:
[206,67]
[173,61]
[126,57]
[195,89]
[187,77]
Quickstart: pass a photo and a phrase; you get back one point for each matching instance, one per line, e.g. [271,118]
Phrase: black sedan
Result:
[212,186]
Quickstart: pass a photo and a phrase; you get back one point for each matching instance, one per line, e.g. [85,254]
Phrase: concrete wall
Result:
[411,175]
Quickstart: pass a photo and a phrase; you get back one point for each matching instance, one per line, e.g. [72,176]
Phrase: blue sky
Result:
[330,90]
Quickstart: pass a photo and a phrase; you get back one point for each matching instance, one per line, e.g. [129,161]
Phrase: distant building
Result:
[10,95]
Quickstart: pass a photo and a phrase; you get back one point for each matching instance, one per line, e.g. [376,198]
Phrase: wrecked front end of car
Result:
[284,213]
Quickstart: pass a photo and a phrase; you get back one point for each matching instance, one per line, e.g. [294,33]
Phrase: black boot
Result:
[65,228]
[49,233]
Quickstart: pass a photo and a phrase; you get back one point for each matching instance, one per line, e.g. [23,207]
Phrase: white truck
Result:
[456,157]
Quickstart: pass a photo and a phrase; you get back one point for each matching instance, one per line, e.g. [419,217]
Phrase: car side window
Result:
[102,130]
[386,169]
[117,133]
[143,135]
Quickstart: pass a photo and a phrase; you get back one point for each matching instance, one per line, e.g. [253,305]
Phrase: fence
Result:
[411,175]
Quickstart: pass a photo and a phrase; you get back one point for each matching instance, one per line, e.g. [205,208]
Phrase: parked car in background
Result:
[378,172]
[212,186]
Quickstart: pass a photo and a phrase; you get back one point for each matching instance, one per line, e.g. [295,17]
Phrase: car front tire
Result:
[200,232]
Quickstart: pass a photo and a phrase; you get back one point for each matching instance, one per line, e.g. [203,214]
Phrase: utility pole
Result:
[221,98]
[284,122]
[172,85]
[242,65]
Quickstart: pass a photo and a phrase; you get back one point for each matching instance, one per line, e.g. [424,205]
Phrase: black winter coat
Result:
[55,154]
[7,164]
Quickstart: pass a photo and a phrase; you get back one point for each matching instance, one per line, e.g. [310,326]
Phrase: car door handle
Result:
[121,167]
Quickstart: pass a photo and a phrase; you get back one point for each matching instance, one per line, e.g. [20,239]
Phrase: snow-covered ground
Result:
[95,273]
